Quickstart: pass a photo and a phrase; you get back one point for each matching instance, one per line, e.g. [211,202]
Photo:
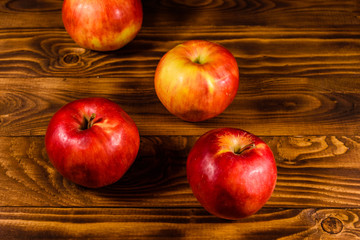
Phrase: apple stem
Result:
[240,150]
[91,121]
[197,60]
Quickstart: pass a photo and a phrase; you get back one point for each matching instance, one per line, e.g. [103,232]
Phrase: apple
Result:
[231,172]
[92,142]
[197,80]
[102,25]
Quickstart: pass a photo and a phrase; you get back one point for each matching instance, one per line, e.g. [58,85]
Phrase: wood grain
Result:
[265,107]
[313,171]
[260,52]
[310,13]
[279,13]
[130,223]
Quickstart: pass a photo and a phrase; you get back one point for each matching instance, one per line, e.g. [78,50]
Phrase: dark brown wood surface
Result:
[299,65]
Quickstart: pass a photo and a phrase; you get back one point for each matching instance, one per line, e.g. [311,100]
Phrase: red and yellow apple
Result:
[102,25]
[197,80]
[232,173]
[92,142]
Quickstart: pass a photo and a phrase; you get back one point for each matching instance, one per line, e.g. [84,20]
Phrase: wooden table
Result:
[299,65]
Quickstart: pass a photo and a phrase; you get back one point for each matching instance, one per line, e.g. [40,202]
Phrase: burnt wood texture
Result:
[299,64]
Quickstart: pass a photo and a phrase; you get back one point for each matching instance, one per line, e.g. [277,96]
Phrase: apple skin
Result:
[197,80]
[102,25]
[231,172]
[92,154]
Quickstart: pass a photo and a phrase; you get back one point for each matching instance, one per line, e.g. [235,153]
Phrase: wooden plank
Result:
[260,52]
[28,14]
[307,13]
[266,107]
[130,223]
[313,171]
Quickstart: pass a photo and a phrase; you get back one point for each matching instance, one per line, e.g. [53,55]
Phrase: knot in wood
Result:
[71,58]
[332,225]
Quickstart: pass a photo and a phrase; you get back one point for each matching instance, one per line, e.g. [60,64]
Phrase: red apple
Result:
[92,142]
[232,173]
[102,25]
[197,80]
